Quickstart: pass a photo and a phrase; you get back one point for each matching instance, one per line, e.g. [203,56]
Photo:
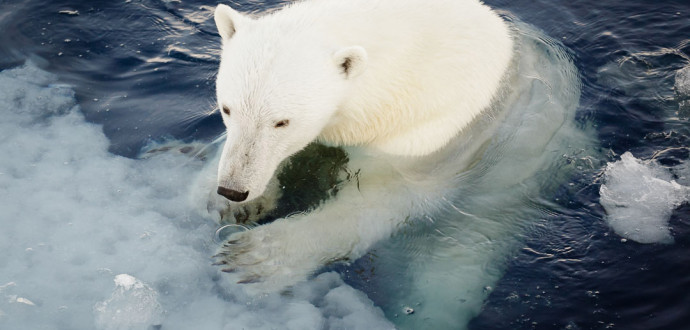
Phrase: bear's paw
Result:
[270,257]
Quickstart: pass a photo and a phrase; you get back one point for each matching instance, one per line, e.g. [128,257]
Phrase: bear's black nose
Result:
[232,195]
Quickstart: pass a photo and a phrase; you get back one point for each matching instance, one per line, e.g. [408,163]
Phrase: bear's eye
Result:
[226,110]
[282,123]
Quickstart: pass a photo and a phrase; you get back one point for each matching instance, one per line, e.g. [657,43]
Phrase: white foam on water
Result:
[73,217]
[639,198]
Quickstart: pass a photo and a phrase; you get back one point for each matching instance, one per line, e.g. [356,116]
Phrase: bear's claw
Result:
[270,257]
[249,280]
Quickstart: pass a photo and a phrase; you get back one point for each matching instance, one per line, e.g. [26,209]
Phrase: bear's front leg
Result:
[275,255]
[288,250]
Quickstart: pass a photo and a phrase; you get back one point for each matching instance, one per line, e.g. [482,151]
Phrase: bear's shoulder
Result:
[433,67]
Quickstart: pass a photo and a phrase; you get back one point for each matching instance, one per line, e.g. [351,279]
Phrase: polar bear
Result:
[391,81]
[456,127]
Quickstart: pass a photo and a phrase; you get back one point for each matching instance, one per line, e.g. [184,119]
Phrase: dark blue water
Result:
[145,70]
[574,273]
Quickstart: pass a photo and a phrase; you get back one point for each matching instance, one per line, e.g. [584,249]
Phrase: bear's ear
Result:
[227,20]
[351,61]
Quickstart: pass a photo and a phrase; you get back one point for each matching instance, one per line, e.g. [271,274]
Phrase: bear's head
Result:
[279,84]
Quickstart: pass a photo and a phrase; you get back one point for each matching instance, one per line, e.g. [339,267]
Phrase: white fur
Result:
[420,72]
[393,77]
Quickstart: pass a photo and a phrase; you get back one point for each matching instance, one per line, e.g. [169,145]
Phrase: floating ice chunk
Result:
[133,305]
[682,84]
[639,197]
[127,281]
[23,300]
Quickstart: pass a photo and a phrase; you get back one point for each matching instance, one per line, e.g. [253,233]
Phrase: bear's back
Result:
[433,66]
